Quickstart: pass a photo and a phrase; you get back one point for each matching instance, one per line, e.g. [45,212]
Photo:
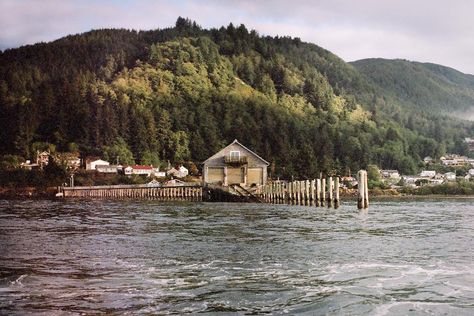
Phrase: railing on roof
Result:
[235,160]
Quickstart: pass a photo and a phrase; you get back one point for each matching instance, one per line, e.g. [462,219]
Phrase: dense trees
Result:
[182,93]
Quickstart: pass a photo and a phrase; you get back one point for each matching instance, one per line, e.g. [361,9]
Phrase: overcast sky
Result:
[423,30]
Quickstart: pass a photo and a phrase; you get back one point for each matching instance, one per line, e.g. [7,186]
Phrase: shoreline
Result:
[25,193]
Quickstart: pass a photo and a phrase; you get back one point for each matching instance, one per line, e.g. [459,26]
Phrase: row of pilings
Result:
[317,192]
[168,193]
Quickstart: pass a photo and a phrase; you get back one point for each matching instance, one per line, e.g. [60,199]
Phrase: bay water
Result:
[76,257]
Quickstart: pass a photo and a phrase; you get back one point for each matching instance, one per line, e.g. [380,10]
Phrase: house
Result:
[28,165]
[159,174]
[91,165]
[390,174]
[348,180]
[428,174]
[181,172]
[142,170]
[450,176]
[153,183]
[174,182]
[235,164]
[172,172]
[455,160]
[42,158]
[106,168]
[127,170]
[428,160]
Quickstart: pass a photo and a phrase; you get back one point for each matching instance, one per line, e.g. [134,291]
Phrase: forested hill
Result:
[421,85]
[182,93]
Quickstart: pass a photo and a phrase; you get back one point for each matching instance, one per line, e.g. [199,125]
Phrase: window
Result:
[234,154]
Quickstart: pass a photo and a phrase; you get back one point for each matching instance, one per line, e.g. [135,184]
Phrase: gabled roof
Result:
[238,143]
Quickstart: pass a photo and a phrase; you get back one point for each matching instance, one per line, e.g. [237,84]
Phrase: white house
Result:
[127,170]
[92,165]
[153,183]
[428,160]
[450,176]
[390,174]
[142,170]
[428,174]
[106,168]
[181,172]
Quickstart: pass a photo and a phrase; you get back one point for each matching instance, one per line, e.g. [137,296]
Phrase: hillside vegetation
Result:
[182,93]
[424,86]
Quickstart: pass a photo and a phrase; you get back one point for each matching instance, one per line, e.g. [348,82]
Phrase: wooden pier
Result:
[161,193]
[307,192]
[317,192]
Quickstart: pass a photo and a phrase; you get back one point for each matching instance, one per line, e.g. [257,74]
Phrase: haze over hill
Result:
[181,93]
[424,86]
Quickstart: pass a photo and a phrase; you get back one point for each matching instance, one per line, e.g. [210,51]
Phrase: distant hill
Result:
[423,86]
[183,92]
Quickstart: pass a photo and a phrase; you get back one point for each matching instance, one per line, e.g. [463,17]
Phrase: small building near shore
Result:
[91,165]
[180,172]
[390,174]
[235,164]
[106,168]
[428,174]
[143,170]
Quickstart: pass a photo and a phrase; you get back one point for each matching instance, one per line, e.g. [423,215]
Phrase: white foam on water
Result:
[17,282]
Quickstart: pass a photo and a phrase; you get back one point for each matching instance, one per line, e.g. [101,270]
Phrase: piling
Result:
[330,192]
[336,193]
[363,196]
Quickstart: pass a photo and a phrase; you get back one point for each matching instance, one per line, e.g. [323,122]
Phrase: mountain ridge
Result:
[182,92]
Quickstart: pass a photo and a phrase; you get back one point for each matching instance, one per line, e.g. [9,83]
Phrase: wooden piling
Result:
[323,191]
[363,196]
[336,193]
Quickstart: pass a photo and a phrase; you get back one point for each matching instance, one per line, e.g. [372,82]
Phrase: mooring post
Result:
[366,193]
[323,191]
[361,188]
[311,190]
[336,193]
[330,192]
[318,192]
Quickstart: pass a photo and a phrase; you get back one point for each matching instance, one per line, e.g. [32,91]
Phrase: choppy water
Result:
[73,257]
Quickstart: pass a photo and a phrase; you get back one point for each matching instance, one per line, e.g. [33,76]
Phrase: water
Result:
[89,257]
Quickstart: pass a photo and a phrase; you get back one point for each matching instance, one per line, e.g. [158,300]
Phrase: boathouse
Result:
[235,164]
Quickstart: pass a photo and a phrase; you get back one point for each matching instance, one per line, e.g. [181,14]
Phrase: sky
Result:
[435,31]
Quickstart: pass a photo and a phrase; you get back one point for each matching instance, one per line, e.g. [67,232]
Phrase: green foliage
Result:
[373,173]
[182,93]
[151,158]
[118,152]
[451,188]
[10,162]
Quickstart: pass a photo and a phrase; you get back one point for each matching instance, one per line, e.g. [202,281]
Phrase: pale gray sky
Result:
[423,30]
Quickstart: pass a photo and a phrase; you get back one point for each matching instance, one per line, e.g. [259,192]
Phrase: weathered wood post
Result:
[336,193]
[311,190]
[330,192]
[318,192]
[298,193]
[363,199]
[366,193]
[307,192]
[323,191]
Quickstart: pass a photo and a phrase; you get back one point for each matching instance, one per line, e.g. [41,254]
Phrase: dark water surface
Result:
[116,257]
